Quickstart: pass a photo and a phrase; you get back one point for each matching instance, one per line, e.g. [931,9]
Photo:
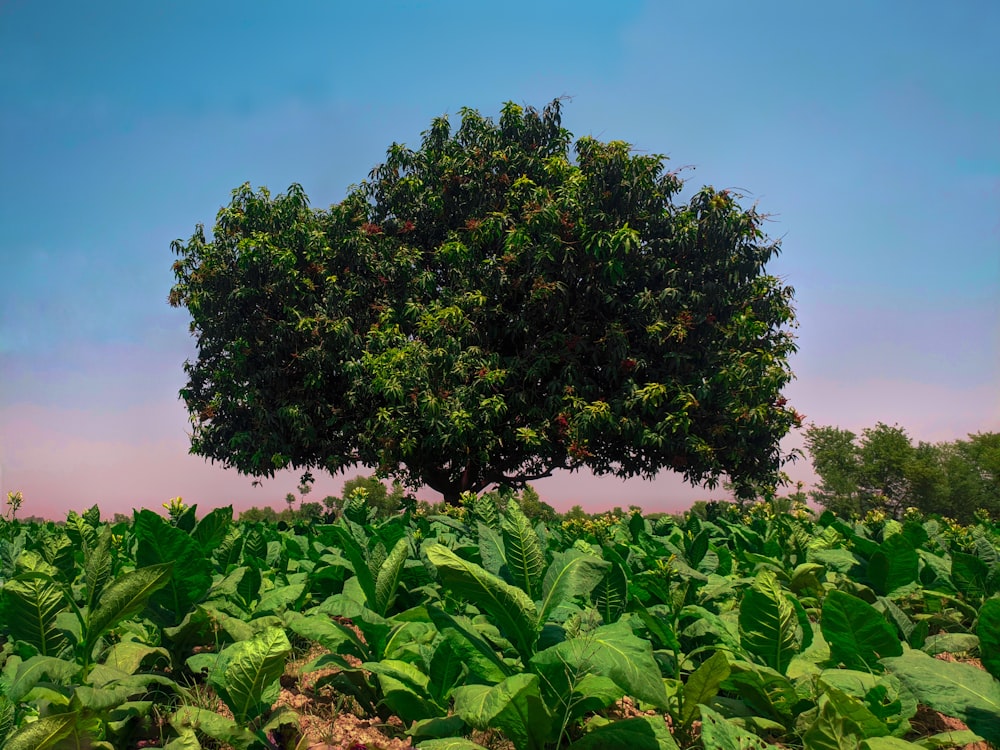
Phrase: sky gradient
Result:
[870,133]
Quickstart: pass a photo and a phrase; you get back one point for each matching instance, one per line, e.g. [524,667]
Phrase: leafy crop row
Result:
[736,632]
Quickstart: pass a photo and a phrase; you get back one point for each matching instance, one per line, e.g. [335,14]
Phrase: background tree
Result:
[883,470]
[486,310]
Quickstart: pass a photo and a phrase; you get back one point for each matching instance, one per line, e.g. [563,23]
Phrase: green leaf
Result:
[954,689]
[329,633]
[889,743]
[212,529]
[445,669]
[572,573]
[969,575]
[484,665]
[32,601]
[45,733]
[703,685]
[278,599]
[718,733]
[246,675]
[830,731]
[7,718]
[510,607]
[514,706]
[525,561]
[218,727]
[159,542]
[129,656]
[355,552]
[988,630]
[405,690]
[97,569]
[636,733]
[449,743]
[38,668]
[388,576]
[124,597]
[491,549]
[612,651]
[768,623]
[610,596]
[894,565]
[857,633]
[853,710]
[952,643]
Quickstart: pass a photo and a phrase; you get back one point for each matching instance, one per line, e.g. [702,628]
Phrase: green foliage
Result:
[410,326]
[883,471]
[429,618]
[954,689]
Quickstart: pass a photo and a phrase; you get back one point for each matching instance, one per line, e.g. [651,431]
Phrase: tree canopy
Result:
[496,305]
[883,470]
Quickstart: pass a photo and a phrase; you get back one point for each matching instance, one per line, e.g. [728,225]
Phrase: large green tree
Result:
[496,305]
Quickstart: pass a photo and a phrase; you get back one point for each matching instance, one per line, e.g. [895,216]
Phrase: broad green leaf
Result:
[572,573]
[889,743]
[767,692]
[893,566]
[510,607]
[7,719]
[129,656]
[449,743]
[857,633]
[514,706]
[329,633]
[32,671]
[969,574]
[636,733]
[525,560]
[356,554]
[695,548]
[218,727]
[610,596]
[988,630]
[491,549]
[124,597]
[612,651]
[97,569]
[445,668]
[954,689]
[212,529]
[43,734]
[484,666]
[703,685]
[952,643]
[388,577]
[278,600]
[405,690]
[718,733]
[958,738]
[159,542]
[246,675]
[830,731]
[768,623]
[32,602]
[854,710]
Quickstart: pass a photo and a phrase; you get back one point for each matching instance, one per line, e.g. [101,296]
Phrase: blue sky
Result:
[870,133]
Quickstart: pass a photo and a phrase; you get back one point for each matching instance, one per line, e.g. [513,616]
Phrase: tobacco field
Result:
[742,630]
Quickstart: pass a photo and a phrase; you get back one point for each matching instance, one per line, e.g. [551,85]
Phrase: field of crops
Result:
[742,629]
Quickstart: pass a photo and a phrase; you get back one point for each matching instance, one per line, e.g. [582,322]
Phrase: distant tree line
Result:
[882,469]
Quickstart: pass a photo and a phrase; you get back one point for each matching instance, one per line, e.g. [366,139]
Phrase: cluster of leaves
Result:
[883,470]
[753,625]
